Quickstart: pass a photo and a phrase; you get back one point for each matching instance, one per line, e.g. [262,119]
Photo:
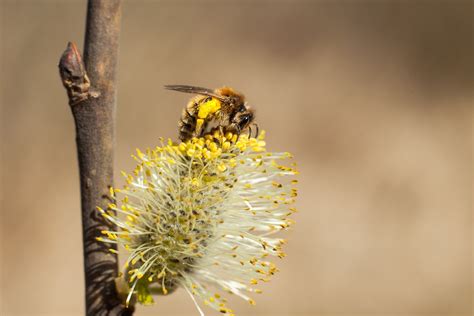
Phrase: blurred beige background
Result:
[374,99]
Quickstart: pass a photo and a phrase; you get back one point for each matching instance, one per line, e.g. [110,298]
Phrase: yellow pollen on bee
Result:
[199,124]
[208,108]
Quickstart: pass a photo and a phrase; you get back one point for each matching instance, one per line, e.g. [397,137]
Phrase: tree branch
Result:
[91,88]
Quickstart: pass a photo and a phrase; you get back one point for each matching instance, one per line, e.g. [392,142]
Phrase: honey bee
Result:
[223,107]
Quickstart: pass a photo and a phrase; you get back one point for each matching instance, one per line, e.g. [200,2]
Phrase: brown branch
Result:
[91,88]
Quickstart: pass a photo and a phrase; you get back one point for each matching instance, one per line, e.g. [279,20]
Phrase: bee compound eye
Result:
[245,120]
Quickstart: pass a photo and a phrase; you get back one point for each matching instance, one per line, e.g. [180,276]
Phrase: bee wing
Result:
[195,90]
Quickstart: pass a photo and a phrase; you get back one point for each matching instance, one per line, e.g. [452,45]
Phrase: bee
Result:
[224,108]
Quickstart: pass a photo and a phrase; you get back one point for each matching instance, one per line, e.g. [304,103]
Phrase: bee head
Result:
[242,118]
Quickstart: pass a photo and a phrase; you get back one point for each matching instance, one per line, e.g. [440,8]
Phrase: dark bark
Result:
[91,87]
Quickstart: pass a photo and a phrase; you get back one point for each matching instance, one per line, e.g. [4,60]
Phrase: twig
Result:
[91,88]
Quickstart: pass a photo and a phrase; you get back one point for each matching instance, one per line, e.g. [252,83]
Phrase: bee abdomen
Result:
[185,134]
[187,123]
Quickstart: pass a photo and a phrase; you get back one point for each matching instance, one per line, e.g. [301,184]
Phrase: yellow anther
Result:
[226,146]
[252,302]
[241,146]
[139,153]
[213,147]
[206,153]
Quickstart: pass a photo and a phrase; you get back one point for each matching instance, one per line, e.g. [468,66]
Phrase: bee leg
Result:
[221,130]
[257,129]
[250,131]
[190,116]
[238,131]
